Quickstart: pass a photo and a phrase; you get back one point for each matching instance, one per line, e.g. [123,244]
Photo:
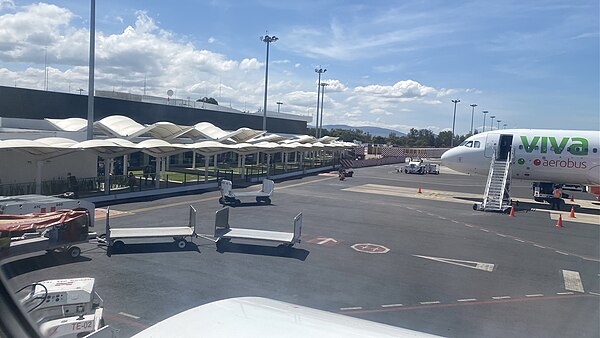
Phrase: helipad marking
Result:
[489,267]
[370,248]
[572,281]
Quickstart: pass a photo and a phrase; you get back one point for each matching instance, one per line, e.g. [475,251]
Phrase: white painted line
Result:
[430,214]
[457,222]
[351,308]
[562,253]
[469,225]
[501,235]
[128,315]
[429,303]
[535,295]
[572,281]
[489,267]
[440,217]
[417,210]
[391,305]
[593,293]
[501,297]
[519,240]
[486,230]
[539,246]
[466,300]
[565,293]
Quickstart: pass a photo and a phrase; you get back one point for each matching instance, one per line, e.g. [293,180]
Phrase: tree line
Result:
[419,138]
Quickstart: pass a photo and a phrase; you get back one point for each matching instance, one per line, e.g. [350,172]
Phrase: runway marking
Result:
[485,230]
[467,264]
[469,225]
[441,217]
[457,222]
[501,297]
[128,315]
[535,295]
[519,240]
[391,305]
[593,293]
[351,308]
[562,253]
[539,246]
[501,235]
[465,302]
[572,281]
[326,241]
[370,248]
[565,293]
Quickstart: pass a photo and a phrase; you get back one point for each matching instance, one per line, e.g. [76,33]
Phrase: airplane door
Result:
[505,144]
[490,144]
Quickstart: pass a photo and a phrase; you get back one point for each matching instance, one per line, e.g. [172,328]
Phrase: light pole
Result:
[267,39]
[323,85]
[279,103]
[90,111]
[505,125]
[473,105]
[498,121]
[319,71]
[484,112]
[453,122]
[492,124]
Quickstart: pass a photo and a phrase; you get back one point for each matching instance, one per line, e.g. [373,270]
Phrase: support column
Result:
[38,177]
[157,173]
[257,158]
[239,160]
[107,163]
[206,163]
[194,159]
[243,167]
[125,158]
[167,162]
[286,156]
[268,163]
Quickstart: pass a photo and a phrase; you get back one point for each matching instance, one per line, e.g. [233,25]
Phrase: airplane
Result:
[547,157]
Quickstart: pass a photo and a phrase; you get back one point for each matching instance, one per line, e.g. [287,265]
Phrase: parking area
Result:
[373,247]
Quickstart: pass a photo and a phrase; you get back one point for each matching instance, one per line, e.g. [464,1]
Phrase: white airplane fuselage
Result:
[557,156]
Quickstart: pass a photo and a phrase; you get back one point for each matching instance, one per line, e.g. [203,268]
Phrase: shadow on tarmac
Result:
[138,248]
[262,250]
[248,204]
[30,264]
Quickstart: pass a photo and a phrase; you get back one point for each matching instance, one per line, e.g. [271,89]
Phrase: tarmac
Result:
[372,247]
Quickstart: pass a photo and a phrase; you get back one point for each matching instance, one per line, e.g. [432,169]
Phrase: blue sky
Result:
[397,64]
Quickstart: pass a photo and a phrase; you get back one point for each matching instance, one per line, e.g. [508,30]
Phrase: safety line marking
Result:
[469,225]
[128,315]
[429,303]
[486,230]
[501,297]
[539,246]
[351,308]
[562,253]
[391,305]
[519,240]
[501,235]
[535,295]
[466,300]
[593,293]
[565,293]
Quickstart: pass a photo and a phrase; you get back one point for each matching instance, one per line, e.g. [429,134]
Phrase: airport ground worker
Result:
[556,198]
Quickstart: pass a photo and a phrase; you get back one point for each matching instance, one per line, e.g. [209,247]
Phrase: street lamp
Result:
[453,122]
[505,125]
[492,124]
[498,121]
[279,103]
[484,112]
[323,85]
[90,111]
[267,39]
[319,71]
[473,105]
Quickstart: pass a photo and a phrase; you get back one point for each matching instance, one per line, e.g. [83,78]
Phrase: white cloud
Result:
[7,4]
[402,90]
[212,40]
[250,64]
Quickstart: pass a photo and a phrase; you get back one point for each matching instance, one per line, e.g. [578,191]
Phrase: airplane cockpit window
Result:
[462,144]
[476,144]
[469,144]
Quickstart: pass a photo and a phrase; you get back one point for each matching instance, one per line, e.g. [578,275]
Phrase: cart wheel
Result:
[221,201]
[74,251]
[236,202]
[267,200]
[118,245]
[181,244]
[474,206]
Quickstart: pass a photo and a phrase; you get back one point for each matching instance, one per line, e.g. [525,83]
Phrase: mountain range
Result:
[375,131]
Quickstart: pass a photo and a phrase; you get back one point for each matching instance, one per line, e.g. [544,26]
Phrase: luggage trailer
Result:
[224,232]
[114,237]
[228,196]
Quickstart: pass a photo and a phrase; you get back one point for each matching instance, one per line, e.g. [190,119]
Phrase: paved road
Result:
[425,261]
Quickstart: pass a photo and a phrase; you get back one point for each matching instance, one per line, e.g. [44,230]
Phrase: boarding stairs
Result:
[497,189]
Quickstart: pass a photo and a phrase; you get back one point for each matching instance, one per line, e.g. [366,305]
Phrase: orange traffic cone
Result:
[559,223]
[572,200]
[419,189]
[572,213]
[512,212]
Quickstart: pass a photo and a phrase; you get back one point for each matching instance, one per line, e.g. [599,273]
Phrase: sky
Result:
[394,64]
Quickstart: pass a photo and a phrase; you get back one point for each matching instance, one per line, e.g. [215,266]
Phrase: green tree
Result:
[210,100]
